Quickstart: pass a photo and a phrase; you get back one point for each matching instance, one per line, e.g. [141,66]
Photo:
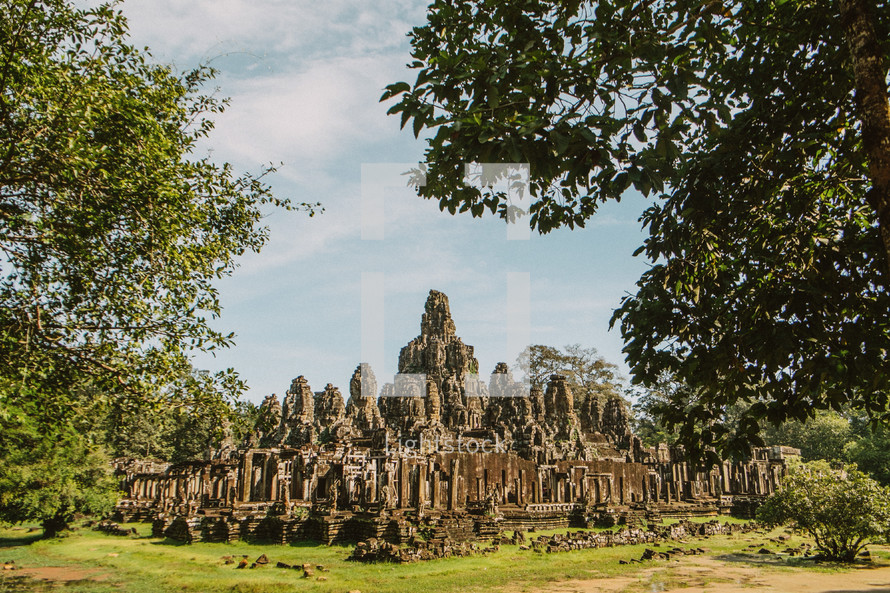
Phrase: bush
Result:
[842,509]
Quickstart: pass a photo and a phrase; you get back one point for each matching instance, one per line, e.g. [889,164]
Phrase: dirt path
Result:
[63,574]
[732,574]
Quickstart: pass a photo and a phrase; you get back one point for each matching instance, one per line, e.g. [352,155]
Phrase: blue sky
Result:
[304,80]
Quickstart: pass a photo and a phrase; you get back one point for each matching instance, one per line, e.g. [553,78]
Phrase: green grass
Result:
[145,564]
[721,518]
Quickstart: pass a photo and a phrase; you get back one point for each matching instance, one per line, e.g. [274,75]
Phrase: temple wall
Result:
[439,481]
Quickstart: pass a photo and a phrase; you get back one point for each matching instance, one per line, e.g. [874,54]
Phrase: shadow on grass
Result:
[781,560]
[869,590]
[167,542]
[321,544]
[15,583]
[25,539]
[259,543]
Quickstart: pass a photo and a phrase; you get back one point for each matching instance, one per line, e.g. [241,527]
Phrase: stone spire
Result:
[299,404]
[560,407]
[266,429]
[298,414]
[436,321]
[437,351]
[361,409]
[330,408]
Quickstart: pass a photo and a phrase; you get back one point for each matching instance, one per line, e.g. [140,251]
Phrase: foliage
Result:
[112,232]
[769,278]
[871,453]
[830,435]
[647,422]
[163,428]
[49,475]
[111,227]
[137,431]
[843,510]
[587,373]
[823,437]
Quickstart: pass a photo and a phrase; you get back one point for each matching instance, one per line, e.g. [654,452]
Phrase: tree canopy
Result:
[762,132]
[51,473]
[112,228]
[588,373]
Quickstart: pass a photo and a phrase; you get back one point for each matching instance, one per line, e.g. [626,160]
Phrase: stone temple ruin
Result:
[438,451]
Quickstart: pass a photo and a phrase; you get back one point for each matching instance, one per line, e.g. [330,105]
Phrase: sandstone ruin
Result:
[439,453]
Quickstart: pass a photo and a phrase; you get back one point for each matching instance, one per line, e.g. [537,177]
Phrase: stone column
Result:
[246,476]
[421,485]
[521,485]
[403,484]
[453,501]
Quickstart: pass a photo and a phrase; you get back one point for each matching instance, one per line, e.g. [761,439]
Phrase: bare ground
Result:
[741,573]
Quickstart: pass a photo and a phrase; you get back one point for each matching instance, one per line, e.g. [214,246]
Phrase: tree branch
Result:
[871,96]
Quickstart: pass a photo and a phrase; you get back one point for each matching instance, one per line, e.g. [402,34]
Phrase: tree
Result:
[137,430]
[763,130]
[168,428]
[112,229]
[871,453]
[647,423]
[824,437]
[588,374]
[49,474]
[843,510]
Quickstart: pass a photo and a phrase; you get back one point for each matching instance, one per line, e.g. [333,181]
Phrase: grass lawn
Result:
[94,562]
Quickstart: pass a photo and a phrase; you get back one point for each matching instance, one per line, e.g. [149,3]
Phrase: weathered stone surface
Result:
[298,415]
[329,407]
[442,451]
[361,409]
[113,528]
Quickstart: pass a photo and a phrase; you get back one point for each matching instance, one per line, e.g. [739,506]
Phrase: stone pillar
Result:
[453,501]
[272,471]
[421,485]
[246,476]
[403,483]
[305,480]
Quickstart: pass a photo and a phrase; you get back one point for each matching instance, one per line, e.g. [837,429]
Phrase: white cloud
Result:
[313,119]
[203,29]
[304,79]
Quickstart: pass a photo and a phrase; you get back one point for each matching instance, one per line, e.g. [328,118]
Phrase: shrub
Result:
[842,509]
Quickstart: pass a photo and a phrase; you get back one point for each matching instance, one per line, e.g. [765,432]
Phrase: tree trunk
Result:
[870,77]
[52,526]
